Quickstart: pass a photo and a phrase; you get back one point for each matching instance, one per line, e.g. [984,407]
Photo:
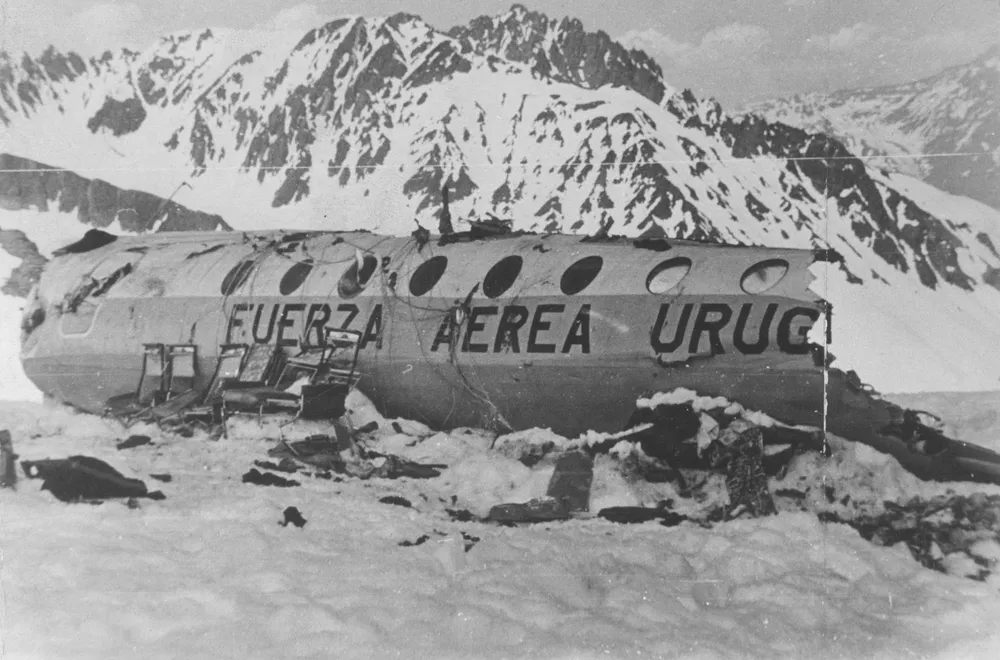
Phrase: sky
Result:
[734,50]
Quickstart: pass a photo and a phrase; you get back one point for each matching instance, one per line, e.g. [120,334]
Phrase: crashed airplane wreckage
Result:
[482,328]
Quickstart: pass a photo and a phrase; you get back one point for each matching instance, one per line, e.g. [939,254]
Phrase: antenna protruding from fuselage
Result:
[444,225]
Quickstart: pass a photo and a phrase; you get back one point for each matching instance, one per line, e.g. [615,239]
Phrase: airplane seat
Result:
[151,380]
[182,369]
[227,370]
[150,390]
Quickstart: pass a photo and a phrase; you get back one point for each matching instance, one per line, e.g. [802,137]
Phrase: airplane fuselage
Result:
[518,331]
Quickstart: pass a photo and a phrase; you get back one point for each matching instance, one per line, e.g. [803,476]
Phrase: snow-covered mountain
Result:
[953,116]
[359,122]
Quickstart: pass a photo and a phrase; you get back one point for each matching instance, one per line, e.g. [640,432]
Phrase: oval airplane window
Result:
[427,275]
[502,276]
[236,277]
[355,279]
[668,274]
[579,276]
[294,277]
[764,275]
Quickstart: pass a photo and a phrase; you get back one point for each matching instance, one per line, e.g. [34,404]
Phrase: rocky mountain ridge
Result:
[360,122]
[952,118]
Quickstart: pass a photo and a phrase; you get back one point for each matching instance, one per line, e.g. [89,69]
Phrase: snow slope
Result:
[208,572]
[951,116]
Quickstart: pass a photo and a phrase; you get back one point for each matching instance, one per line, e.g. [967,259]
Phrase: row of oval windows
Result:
[665,276]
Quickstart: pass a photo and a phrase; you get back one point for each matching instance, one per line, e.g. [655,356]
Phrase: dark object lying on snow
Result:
[672,439]
[949,533]
[568,492]
[395,500]
[324,452]
[639,514]
[8,467]
[673,426]
[462,515]
[743,456]
[85,478]
[134,441]
[259,478]
[468,540]
[292,516]
[423,538]
[284,465]
[166,478]
[545,509]
[920,437]
[570,482]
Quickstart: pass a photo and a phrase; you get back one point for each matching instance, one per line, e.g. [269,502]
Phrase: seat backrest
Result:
[259,364]
[228,368]
[342,355]
[182,368]
[306,364]
[153,367]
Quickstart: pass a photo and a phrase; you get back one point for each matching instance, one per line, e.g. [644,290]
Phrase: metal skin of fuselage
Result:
[468,351]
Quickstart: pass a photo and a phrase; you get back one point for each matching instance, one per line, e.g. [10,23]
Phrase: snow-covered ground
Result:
[208,572]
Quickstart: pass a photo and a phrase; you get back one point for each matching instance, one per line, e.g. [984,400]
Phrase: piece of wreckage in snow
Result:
[481,328]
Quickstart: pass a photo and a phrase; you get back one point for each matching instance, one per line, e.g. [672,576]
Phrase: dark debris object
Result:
[462,515]
[285,465]
[84,478]
[639,514]
[423,538]
[134,441]
[790,493]
[533,511]
[292,516]
[934,529]
[165,478]
[267,479]
[396,500]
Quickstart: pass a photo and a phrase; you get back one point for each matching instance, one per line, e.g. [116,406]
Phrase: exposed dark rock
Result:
[396,500]
[25,275]
[28,184]
[588,59]
[992,277]
[841,176]
[120,117]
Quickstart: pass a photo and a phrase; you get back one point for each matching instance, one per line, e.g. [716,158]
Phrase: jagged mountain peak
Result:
[564,50]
